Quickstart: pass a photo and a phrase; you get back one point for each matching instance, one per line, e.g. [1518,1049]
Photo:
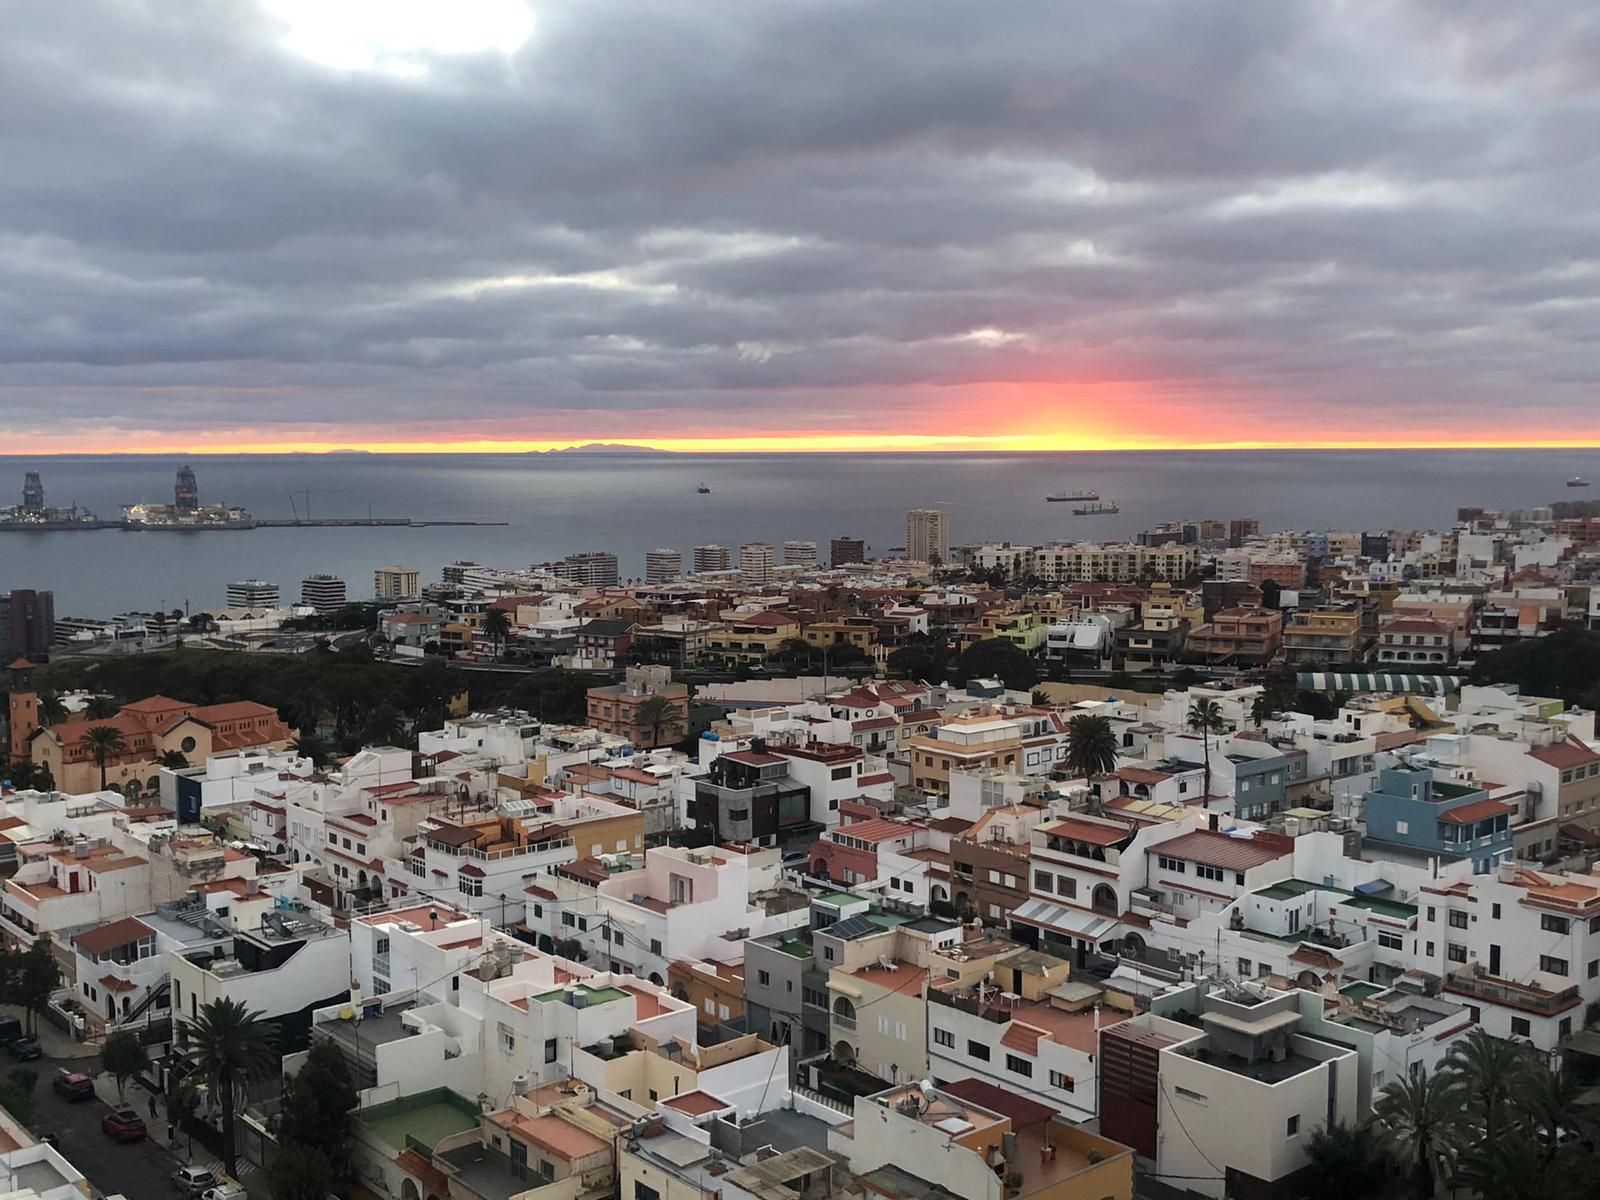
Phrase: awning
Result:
[1058,918]
[1374,681]
[848,989]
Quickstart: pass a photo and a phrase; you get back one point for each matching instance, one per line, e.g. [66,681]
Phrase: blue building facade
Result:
[1411,808]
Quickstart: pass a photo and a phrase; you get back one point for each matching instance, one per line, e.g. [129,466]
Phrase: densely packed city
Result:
[1185,866]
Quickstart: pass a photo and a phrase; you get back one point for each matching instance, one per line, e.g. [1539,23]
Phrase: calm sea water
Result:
[557,504]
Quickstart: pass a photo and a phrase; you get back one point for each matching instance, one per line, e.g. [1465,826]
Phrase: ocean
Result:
[555,504]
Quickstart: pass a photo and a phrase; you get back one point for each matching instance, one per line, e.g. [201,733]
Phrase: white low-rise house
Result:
[1236,1096]
[690,904]
[1521,949]
[282,962]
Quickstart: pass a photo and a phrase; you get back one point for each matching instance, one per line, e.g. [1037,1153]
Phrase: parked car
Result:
[192,1181]
[72,1085]
[10,1029]
[24,1049]
[226,1190]
[123,1125]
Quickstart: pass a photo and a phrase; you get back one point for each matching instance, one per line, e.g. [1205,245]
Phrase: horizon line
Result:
[775,444]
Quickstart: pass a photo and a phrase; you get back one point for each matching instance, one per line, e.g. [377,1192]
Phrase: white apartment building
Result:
[712,557]
[698,905]
[252,593]
[662,565]
[756,561]
[799,554]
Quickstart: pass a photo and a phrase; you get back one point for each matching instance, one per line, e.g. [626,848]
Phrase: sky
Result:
[797,224]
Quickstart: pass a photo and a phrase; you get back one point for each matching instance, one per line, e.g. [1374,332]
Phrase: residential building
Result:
[712,558]
[989,862]
[1416,640]
[1285,570]
[1246,637]
[1520,948]
[756,561]
[1229,1103]
[675,642]
[842,551]
[662,565]
[799,554]
[286,967]
[1413,812]
[252,593]
[747,638]
[619,708]
[912,1140]
[927,535]
[27,624]
[963,744]
[590,568]
[1328,635]
[325,593]
[396,583]
[1241,529]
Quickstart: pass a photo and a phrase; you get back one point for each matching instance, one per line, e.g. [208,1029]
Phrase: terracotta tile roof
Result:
[950,825]
[1141,775]
[880,829]
[434,1181]
[109,937]
[1092,832]
[1022,1037]
[1478,810]
[1565,754]
[697,1103]
[1220,850]
[874,780]
[112,984]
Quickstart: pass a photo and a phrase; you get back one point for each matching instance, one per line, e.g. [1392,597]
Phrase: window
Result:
[1551,923]
[1564,1030]
[1066,886]
[1431,915]
[827,953]
[1292,1126]
[839,773]
[655,945]
[641,1192]
[508,1039]
[380,944]
[419,868]
[1244,966]
[978,1051]
[1018,1065]
[738,814]
[1429,950]
[711,1006]
[1060,1079]
[1043,881]
[1520,1027]
[1456,952]
[1391,941]
[569,918]
[1238,878]
[1402,826]
[1594,968]
[470,885]
[1458,920]
[538,910]
[764,978]
[1194,1097]
[1552,966]
[1175,865]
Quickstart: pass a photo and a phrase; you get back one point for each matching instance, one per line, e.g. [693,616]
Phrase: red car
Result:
[72,1085]
[123,1125]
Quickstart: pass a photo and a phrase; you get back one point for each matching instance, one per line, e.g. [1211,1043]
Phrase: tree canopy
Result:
[1564,664]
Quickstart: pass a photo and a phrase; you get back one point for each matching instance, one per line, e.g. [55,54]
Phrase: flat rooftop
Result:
[1261,1070]
[429,1117]
[368,1032]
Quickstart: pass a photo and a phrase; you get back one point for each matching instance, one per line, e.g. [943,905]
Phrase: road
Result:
[140,1171]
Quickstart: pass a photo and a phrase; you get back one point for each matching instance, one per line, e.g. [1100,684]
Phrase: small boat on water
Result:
[703,490]
[1577,481]
[1063,497]
[1096,509]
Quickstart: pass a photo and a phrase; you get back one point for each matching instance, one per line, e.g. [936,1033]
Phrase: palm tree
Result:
[174,760]
[1348,1162]
[1423,1115]
[1091,746]
[228,1046]
[384,727]
[1205,718]
[51,709]
[100,708]
[497,626]
[1497,1075]
[310,746]
[653,714]
[1550,1105]
[105,743]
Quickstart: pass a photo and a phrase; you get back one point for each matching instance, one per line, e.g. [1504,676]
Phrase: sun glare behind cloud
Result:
[397,36]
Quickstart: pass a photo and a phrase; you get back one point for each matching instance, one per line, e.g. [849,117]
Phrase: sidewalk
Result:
[57,1045]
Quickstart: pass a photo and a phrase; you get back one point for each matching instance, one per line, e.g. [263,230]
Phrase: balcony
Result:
[844,1022]
[1525,997]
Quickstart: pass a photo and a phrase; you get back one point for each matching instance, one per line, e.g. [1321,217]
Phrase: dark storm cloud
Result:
[659,208]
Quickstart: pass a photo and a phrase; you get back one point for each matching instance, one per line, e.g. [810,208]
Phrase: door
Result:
[1494,960]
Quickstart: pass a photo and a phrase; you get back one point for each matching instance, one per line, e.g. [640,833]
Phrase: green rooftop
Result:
[797,949]
[838,899]
[1290,888]
[887,920]
[1452,791]
[597,995]
[425,1119]
[1360,990]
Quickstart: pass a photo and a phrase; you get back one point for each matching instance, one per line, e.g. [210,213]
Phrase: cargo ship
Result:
[1063,497]
[1096,509]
